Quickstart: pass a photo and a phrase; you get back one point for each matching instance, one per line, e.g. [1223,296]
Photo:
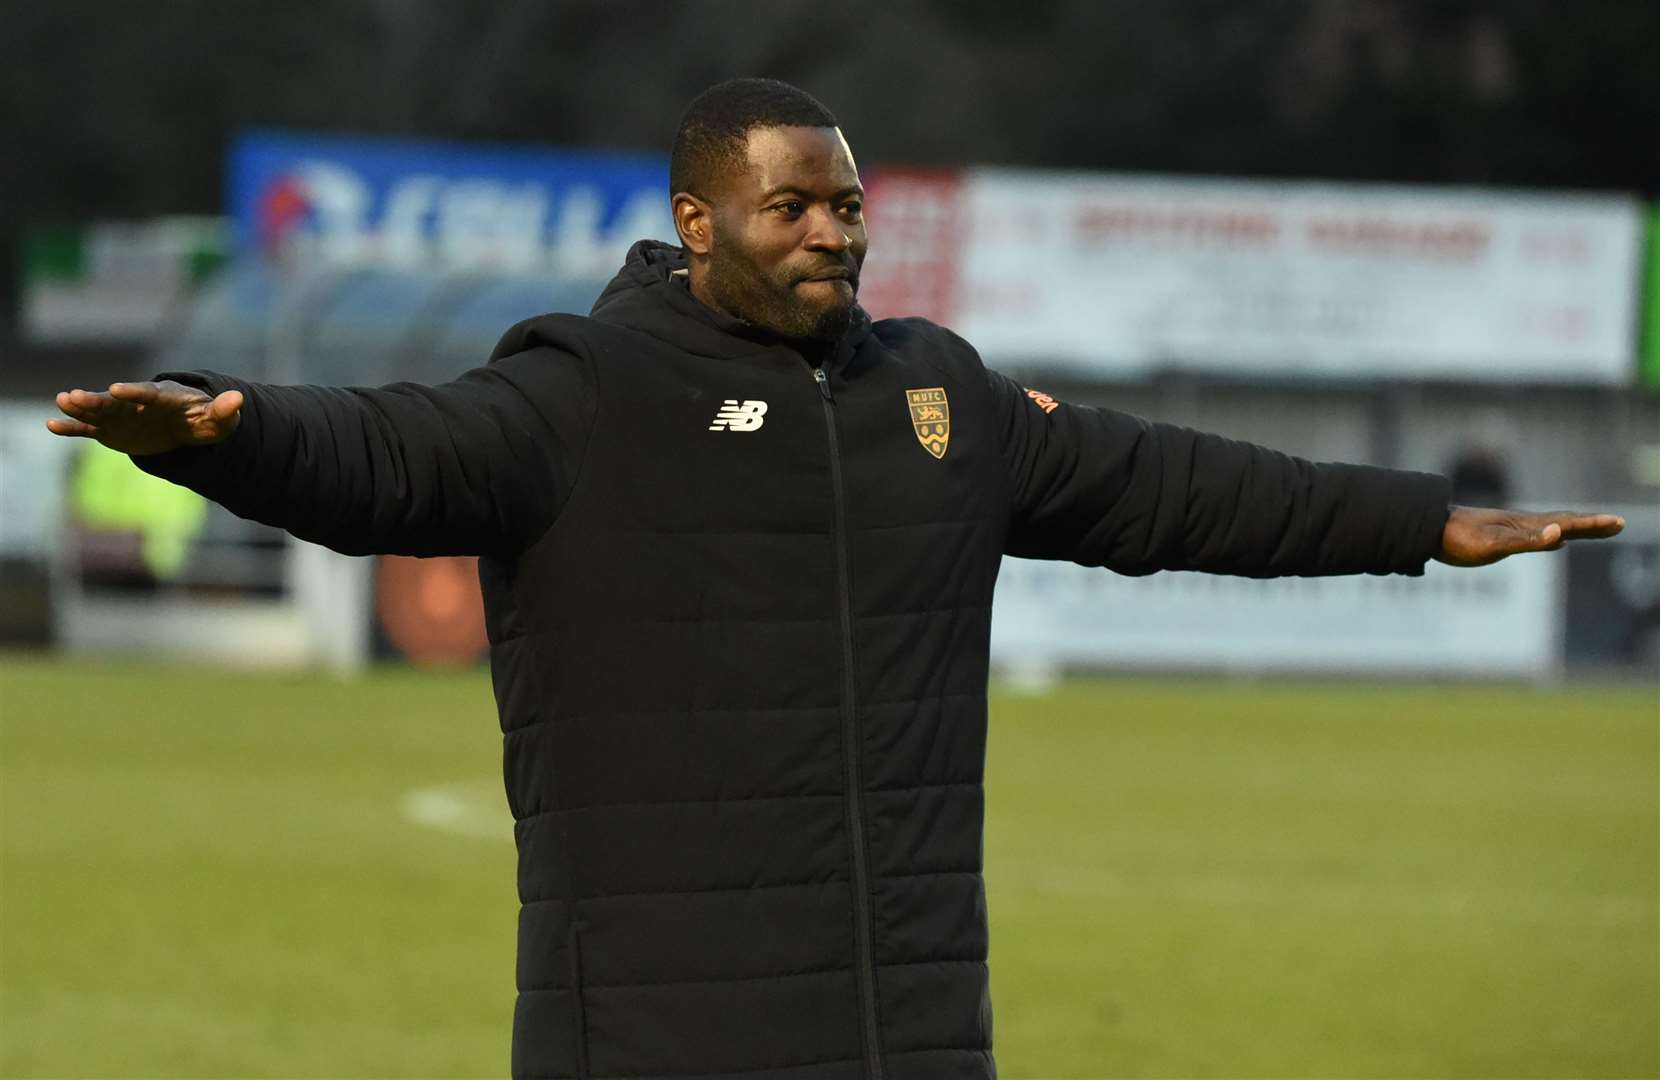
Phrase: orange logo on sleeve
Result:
[1042,400]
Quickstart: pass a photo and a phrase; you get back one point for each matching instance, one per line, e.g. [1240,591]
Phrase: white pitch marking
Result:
[472,808]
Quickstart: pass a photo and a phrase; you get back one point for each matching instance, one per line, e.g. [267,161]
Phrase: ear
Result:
[694,220]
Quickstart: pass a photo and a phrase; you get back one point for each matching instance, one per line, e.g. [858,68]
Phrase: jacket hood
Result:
[649,294]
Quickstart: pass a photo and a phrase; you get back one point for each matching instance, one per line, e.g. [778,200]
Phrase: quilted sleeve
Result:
[480,465]
[1103,488]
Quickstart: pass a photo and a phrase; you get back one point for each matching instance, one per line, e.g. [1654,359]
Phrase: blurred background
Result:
[250,814]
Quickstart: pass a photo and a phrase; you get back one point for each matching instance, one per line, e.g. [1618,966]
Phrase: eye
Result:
[789,208]
[854,210]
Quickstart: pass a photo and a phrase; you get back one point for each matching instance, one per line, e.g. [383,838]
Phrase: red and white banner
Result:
[1115,276]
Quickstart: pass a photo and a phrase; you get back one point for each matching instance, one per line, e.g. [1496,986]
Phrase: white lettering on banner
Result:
[339,199]
[473,223]
[485,223]
[1116,276]
[1498,620]
[403,228]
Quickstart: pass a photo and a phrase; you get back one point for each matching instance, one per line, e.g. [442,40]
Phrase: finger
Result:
[1595,532]
[139,393]
[1605,524]
[83,404]
[1569,516]
[226,405]
[59,425]
[1585,526]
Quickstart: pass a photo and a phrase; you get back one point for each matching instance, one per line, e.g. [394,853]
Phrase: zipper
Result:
[852,745]
[575,946]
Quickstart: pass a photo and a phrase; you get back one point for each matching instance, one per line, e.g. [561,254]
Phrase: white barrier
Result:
[1500,620]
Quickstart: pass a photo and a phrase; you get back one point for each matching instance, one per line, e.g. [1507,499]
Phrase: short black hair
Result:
[714,132]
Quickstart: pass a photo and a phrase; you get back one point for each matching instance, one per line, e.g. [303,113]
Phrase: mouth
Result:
[831,275]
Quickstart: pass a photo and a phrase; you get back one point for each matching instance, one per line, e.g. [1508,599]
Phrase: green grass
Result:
[208,874]
[1328,880]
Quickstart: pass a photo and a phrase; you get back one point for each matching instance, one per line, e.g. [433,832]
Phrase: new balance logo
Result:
[738,415]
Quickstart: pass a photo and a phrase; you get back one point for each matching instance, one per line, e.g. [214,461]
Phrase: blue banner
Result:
[409,204]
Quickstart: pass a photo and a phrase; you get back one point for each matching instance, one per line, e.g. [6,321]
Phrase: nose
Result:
[826,233]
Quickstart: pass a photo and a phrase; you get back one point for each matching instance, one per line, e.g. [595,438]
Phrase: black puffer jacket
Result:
[739,608]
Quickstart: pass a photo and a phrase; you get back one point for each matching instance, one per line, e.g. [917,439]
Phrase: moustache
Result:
[842,270]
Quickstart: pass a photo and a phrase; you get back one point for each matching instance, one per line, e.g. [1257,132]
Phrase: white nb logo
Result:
[738,415]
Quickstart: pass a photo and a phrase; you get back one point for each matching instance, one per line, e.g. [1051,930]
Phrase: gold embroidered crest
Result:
[931,417]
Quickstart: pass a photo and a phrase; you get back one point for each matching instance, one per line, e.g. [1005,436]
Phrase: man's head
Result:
[767,202]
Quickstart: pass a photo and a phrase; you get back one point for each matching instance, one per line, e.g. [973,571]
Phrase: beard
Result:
[770,299]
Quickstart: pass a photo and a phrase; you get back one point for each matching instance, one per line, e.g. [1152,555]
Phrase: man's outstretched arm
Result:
[478,465]
[1107,489]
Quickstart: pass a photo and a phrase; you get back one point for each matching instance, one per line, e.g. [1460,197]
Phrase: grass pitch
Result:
[212,874]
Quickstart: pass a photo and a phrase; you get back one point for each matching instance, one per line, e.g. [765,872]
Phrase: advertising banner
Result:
[1650,363]
[1117,276]
[1499,620]
[113,282]
[418,204]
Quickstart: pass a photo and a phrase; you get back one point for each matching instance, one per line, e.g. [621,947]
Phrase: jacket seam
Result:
[725,1073]
[588,986]
[669,802]
[926,356]
[721,532]
[731,979]
[745,888]
[680,346]
[931,873]
[684,892]
[980,1050]
[582,463]
[989,519]
[949,609]
[745,798]
[954,696]
[775,620]
[615,713]
[931,786]
[976,519]
[573,717]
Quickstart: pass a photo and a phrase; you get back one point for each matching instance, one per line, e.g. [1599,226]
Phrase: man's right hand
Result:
[148,417]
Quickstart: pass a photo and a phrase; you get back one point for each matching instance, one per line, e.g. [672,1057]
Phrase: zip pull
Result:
[823,381]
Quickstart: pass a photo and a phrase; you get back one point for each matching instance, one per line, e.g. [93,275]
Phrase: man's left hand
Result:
[1476,537]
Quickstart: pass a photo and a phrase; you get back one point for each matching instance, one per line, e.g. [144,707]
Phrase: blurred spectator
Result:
[1480,477]
[127,528]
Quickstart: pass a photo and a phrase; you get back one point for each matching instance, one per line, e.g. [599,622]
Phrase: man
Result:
[737,548]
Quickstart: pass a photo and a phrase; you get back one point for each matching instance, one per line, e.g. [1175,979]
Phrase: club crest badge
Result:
[931,417]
